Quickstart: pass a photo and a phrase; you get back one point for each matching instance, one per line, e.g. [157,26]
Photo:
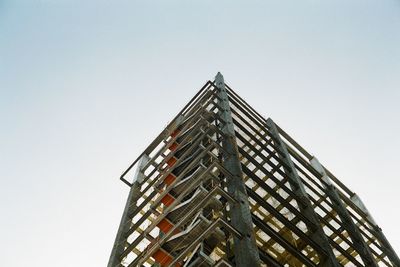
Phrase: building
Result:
[222,186]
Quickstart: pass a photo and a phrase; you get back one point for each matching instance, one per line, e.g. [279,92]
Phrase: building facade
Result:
[222,186]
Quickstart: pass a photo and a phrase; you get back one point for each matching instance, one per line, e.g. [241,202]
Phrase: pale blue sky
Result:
[86,85]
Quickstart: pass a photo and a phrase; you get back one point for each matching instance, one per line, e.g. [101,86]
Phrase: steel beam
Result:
[245,248]
[305,206]
[126,220]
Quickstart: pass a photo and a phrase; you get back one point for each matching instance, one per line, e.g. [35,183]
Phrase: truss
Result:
[222,186]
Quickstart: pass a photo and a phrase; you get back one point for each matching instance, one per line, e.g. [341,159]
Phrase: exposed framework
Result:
[222,186]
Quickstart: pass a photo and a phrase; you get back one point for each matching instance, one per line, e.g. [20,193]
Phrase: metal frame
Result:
[220,166]
[125,224]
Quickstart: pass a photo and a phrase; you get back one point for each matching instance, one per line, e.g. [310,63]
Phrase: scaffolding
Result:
[223,186]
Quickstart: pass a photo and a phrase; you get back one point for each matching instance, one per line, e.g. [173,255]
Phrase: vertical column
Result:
[327,258]
[358,202]
[245,249]
[355,234]
[125,224]
[388,249]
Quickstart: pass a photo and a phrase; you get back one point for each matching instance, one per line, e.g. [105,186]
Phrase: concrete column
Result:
[316,231]
[245,249]
[358,242]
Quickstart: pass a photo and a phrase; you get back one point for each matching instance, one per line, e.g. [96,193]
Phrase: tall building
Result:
[222,186]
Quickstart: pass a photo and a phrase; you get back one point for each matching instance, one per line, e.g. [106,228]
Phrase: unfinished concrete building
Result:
[222,186]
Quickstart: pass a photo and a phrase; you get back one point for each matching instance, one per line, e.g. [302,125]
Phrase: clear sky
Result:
[85,85]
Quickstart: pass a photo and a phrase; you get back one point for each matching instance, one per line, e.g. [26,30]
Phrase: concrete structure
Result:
[222,186]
